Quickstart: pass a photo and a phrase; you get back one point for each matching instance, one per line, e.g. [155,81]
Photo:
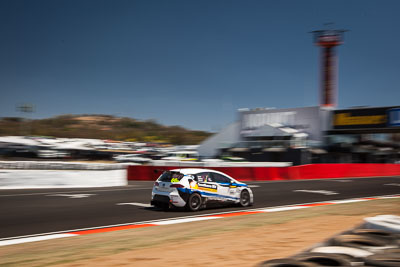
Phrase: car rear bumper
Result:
[173,198]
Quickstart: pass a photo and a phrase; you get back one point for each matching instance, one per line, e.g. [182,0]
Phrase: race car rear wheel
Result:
[244,198]
[194,202]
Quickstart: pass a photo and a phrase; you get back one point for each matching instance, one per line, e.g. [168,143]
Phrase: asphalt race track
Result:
[27,212]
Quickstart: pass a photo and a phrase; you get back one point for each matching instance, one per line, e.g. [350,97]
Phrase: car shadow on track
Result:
[210,206]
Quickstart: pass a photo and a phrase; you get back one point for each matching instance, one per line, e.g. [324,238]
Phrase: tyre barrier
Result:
[325,259]
[353,252]
[361,241]
[392,250]
[376,233]
[366,245]
[389,223]
[285,262]
[384,259]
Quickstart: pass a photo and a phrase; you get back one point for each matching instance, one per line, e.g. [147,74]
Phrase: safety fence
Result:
[57,165]
[311,171]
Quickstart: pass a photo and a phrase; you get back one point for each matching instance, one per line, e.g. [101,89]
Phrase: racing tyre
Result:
[349,251]
[384,260]
[194,202]
[325,259]
[376,233]
[359,241]
[286,262]
[391,251]
[390,223]
[244,198]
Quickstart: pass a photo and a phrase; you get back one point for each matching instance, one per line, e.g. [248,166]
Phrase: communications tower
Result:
[328,40]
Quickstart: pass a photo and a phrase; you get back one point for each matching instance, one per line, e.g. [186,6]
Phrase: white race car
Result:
[194,188]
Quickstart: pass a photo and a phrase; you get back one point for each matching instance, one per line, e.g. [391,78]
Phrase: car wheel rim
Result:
[195,202]
[245,198]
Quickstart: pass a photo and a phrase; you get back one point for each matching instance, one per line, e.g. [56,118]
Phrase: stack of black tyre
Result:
[375,243]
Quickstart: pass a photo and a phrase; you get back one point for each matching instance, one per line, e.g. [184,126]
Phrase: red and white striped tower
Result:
[328,40]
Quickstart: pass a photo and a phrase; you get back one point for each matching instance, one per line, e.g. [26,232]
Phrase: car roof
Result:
[187,171]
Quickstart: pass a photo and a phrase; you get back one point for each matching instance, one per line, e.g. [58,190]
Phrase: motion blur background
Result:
[135,66]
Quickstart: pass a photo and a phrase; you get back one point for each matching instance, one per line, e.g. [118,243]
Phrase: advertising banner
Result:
[394,117]
[366,118]
[306,120]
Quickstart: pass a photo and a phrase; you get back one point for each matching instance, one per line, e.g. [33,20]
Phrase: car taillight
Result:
[156,184]
[176,185]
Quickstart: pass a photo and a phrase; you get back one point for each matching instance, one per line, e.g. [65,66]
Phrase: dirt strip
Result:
[235,241]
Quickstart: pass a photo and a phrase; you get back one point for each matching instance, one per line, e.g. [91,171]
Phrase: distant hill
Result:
[101,127]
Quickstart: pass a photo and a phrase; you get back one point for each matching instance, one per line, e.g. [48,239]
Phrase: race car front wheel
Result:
[194,202]
[245,198]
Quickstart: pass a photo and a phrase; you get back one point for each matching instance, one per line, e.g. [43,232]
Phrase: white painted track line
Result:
[282,209]
[77,191]
[33,239]
[144,205]
[186,220]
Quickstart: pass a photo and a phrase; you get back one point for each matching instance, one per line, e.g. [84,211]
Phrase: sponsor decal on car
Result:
[193,185]
[207,187]
[174,180]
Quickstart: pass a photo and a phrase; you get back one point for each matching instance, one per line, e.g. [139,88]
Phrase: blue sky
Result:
[190,63]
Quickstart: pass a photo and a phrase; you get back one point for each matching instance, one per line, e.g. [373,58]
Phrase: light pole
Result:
[26,108]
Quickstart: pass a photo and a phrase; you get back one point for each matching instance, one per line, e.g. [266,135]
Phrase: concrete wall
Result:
[311,171]
[23,179]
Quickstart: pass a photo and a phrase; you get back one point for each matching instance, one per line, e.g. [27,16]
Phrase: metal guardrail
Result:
[271,143]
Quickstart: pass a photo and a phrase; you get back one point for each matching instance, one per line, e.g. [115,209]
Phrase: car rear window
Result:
[168,176]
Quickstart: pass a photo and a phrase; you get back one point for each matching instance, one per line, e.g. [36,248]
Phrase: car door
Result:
[223,185]
[206,185]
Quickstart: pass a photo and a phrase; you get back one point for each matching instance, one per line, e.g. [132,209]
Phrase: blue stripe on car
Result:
[190,191]
[234,184]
